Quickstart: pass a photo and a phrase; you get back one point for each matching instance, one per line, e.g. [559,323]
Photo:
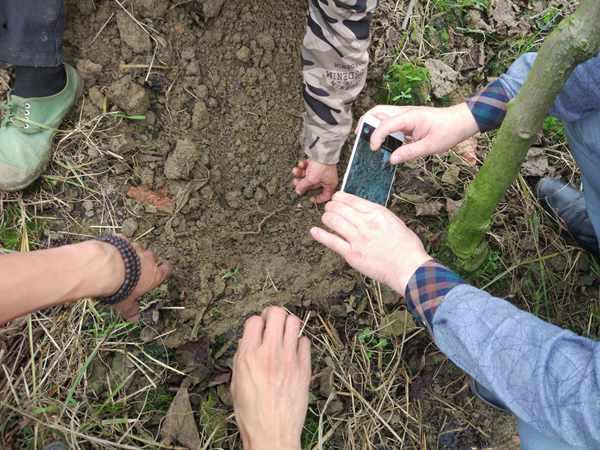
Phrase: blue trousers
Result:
[31,32]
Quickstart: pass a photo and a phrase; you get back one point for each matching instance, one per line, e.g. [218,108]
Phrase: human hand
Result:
[372,240]
[271,378]
[152,275]
[311,175]
[433,130]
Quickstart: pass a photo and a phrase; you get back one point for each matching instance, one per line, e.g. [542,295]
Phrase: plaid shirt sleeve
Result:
[489,106]
[426,291]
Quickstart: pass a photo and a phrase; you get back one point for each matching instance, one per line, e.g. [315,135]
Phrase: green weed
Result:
[554,130]
[371,341]
[447,5]
[406,84]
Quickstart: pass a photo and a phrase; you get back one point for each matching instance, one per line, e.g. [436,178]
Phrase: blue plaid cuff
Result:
[426,291]
[489,106]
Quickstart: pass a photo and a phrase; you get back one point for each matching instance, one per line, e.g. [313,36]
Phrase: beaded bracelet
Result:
[132,263]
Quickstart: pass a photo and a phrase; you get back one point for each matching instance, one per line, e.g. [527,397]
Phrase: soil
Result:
[204,179]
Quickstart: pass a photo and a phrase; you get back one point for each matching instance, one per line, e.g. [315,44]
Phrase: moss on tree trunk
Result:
[576,39]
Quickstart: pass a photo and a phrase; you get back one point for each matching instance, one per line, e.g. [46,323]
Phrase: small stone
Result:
[132,34]
[88,69]
[147,334]
[129,227]
[212,102]
[266,41]
[443,77]
[193,68]
[248,192]
[96,97]
[181,161]
[88,205]
[151,8]
[212,8]
[233,199]
[201,91]
[147,176]
[243,54]
[129,96]
[201,116]
[260,195]
[272,185]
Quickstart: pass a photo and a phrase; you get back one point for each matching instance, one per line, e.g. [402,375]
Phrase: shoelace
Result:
[14,114]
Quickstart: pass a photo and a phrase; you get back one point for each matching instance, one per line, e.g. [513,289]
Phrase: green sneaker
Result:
[27,129]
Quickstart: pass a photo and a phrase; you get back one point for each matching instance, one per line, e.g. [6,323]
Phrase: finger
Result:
[324,196]
[303,164]
[274,318]
[164,272]
[292,329]
[304,354]
[359,204]
[304,185]
[381,115]
[411,151]
[129,309]
[298,172]
[340,225]
[331,241]
[253,332]
[353,215]
[404,122]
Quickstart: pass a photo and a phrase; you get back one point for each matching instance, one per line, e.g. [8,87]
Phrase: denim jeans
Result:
[531,439]
[584,142]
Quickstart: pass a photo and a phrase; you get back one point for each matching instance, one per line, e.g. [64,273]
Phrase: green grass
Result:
[447,5]
[554,130]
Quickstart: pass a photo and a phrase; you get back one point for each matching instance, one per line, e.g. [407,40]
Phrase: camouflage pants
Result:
[335,57]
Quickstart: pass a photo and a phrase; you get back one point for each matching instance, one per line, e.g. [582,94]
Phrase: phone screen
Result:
[370,175]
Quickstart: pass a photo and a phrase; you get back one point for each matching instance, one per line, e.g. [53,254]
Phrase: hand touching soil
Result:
[271,378]
[312,175]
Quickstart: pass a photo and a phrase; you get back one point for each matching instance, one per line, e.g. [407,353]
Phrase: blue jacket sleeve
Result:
[547,376]
[579,96]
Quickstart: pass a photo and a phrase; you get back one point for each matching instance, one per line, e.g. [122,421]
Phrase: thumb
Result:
[411,151]
[405,122]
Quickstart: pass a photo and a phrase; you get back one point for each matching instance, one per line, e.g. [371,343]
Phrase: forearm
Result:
[547,376]
[37,280]
[335,59]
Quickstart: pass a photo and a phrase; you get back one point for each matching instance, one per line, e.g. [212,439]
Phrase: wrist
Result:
[103,267]
[402,274]
[467,120]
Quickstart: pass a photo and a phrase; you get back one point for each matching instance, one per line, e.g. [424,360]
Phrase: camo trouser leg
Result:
[335,58]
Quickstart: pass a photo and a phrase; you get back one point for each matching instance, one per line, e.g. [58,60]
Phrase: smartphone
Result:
[369,174]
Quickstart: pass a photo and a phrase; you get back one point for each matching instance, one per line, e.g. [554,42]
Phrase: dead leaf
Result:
[452,206]
[397,324]
[451,175]
[503,15]
[443,77]
[194,358]
[536,164]
[147,196]
[467,151]
[179,425]
[413,198]
[431,208]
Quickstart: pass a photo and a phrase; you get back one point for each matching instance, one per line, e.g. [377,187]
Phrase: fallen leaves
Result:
[430,208]
[443,77]
[158,200]
[536,163]
[179,425]
[467,151]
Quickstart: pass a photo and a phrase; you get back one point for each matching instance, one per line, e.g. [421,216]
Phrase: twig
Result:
[262,222]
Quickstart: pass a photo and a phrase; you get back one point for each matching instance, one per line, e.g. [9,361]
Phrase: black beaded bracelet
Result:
[132,263]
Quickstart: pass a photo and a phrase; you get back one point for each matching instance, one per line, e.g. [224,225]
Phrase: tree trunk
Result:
[576,39]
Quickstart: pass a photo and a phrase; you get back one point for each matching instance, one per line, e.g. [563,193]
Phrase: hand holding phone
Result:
[369,174]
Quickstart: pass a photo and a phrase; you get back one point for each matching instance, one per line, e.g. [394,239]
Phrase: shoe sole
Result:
[44,166]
